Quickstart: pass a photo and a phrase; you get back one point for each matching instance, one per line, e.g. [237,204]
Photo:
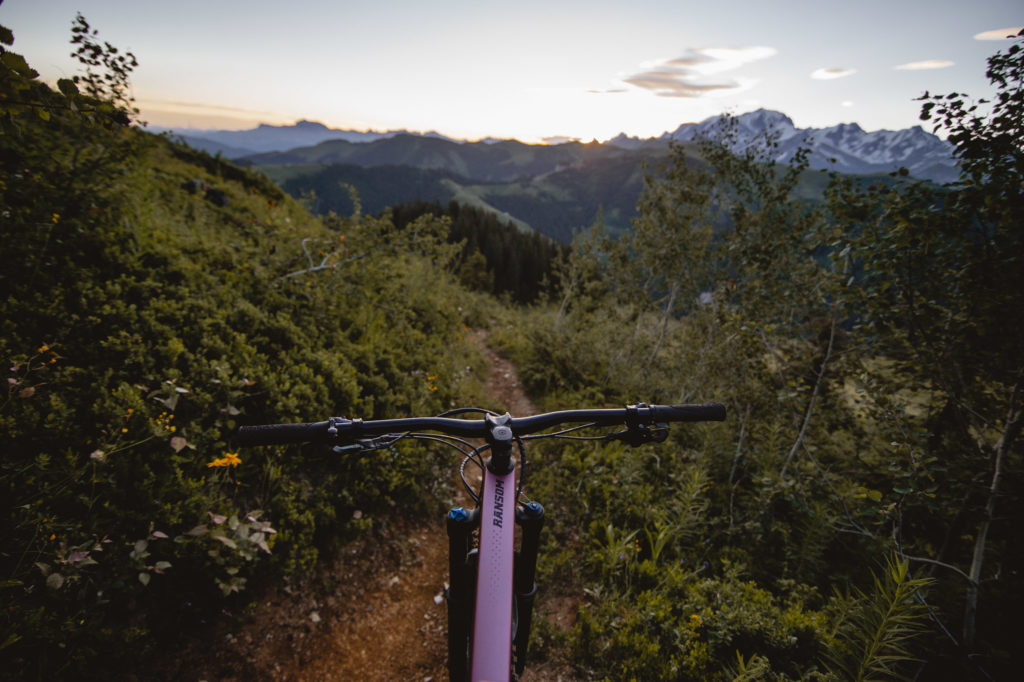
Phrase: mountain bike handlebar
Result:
[492,589]
[342,430]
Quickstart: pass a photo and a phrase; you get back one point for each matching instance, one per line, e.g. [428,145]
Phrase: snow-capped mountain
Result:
[846,147]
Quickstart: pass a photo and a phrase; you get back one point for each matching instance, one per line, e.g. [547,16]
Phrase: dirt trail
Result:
[376,614]
[503,381]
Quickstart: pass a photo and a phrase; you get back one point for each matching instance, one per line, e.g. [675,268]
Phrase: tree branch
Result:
[934,562]
[1010,431]
[814,397]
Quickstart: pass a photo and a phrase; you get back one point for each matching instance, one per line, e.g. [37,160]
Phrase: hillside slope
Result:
[502,161]
[154,299]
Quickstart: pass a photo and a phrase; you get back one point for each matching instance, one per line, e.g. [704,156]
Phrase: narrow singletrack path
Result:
[375,614]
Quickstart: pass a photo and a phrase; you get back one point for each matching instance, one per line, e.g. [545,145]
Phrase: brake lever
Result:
[641,434]
[365,444]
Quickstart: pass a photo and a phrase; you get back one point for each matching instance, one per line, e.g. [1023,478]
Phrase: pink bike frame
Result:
[492,625]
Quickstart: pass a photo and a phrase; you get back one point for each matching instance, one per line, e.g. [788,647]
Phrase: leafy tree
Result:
[941,291]
[107,77]
[669,253]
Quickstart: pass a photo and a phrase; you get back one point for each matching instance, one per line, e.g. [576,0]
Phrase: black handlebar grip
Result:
[282,434]
[710,412]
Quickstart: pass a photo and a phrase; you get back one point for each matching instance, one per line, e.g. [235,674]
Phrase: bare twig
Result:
[735,462]
[325,264]
[934,562]
[814,398]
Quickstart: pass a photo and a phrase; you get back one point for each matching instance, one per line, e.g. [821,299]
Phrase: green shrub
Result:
[144,323]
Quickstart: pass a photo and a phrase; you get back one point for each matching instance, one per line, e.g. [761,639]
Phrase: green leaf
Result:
[15,62]
[227,541]
[54,581]
[11,639]
[67,87]
[144,578]
[6,36]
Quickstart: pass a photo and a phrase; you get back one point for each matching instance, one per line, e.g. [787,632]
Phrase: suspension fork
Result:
[530,518]
[460,524]
[462,568]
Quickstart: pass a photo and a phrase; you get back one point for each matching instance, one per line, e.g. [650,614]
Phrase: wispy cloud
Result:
[924,65]
[830,74]
[201,107]
[687,75]
[999,33]
[674,84]
[718,59]
[612,91]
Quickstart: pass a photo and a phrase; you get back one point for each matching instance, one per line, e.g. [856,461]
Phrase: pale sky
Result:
[527,69]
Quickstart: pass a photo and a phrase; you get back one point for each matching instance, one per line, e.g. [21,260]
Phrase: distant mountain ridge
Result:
[554,189]
[503,161]
[845,147]
[270,138]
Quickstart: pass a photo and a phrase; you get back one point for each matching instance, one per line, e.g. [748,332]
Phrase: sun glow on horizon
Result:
[526,72]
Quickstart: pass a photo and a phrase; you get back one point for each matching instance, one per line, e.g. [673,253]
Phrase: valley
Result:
[553,189]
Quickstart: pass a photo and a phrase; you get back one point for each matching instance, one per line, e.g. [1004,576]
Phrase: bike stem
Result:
[499,437]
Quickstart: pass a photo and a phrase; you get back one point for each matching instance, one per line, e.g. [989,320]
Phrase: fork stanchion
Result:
[460,523]
[530,518]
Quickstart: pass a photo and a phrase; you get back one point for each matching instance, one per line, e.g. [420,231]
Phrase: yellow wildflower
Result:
[230,459]
[43,348]
[55,218]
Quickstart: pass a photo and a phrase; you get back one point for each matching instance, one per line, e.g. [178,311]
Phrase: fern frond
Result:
[876,638]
